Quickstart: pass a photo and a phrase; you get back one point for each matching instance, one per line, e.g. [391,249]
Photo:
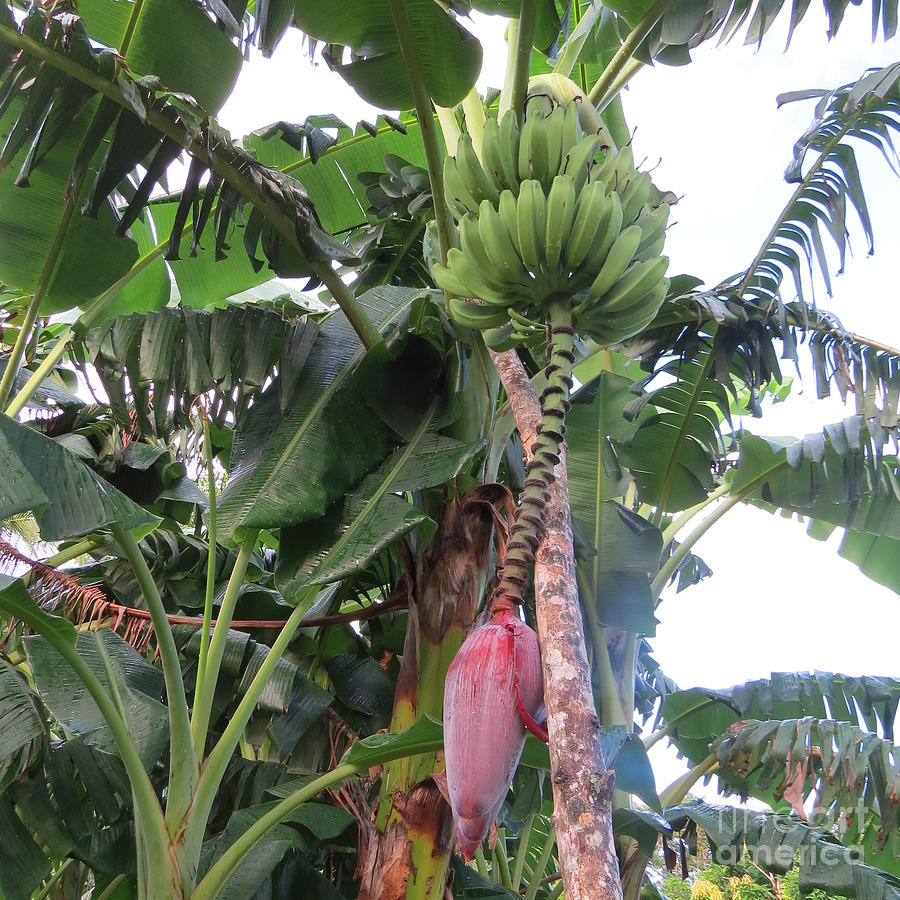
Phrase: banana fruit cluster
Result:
[540,216]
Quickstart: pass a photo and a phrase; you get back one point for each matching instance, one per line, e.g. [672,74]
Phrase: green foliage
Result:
[344,550]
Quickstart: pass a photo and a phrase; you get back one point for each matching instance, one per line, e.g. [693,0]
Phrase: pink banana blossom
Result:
[492,694]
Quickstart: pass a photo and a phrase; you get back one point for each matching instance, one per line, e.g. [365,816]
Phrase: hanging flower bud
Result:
[493,688]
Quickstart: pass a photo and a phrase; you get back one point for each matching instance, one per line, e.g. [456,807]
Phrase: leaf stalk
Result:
[184,769]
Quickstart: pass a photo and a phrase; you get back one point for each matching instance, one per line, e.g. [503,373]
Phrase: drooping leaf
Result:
[139,684]
[76,501]
[22,731]
[450,57]
[676,436]
[355,529]
[31,218]
[178,355]
[798,757]
[25,865]
[179,43]
[323,445]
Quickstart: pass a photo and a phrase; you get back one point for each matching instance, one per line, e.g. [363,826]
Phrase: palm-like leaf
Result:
[450,57]
[866,110]
[329,439]
[800,739]
[774,842]
[739,321]
[178,355]
[839,478]
[23,733]
[701,714]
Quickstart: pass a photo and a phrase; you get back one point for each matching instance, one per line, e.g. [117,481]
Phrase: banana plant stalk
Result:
[407,849]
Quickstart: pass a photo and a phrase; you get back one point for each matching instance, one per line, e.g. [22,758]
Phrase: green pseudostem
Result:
[526,529]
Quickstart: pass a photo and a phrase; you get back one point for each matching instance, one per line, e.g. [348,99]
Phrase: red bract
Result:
[484,732]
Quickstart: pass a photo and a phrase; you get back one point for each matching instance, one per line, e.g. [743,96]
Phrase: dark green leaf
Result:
[450,57]
[138,683]
[424,736]
[77,502]
[21,725]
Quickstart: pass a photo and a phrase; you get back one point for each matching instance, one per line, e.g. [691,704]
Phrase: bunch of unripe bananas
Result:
[543,215]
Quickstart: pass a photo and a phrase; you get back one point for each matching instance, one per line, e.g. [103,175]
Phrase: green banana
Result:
[471,243]
[606,236]
[591,210]
[534,150]
[571,130]
[616,169]
[620,254]
[554,127]
[625,164]
[648,251]
[491,153]
[579,161]
[476,315]
[507,212]
[462,277]
[539,215]
[448,279]
[480,185]
[635,196]
[458,194]
[531,215]
[525,166]
[522,321]
[637,280]
[509,151]
[614,329]
[653,224]
[560,215]
[497,244]
[501,338]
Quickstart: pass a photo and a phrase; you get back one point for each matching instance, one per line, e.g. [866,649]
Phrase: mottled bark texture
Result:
[582,786]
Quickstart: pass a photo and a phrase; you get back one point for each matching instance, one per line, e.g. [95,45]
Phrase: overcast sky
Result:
[777,601]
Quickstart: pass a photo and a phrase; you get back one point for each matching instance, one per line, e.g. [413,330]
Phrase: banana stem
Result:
[14,361]
[512,40]
[55,878]
[184,770]
[206,628]
[204,691]
[524,40]
[623,55]
[449,128]
[678,789]
[425,115]
[692,511]
[525,531]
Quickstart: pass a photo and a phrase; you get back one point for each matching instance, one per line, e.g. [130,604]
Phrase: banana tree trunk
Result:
[582,785]
[408,844]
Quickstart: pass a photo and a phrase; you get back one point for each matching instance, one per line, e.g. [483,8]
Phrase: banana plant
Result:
[286,522]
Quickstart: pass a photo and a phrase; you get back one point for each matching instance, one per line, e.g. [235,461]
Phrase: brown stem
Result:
[582,786]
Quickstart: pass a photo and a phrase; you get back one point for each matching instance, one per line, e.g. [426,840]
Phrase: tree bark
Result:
[582,785]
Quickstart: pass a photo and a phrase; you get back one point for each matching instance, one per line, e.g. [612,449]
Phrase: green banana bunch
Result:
[540,217]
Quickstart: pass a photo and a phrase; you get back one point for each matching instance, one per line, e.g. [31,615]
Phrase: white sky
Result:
[778,601]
